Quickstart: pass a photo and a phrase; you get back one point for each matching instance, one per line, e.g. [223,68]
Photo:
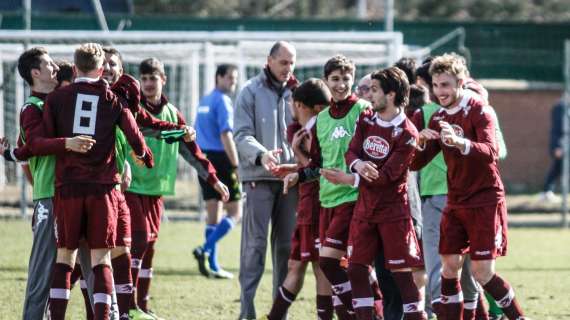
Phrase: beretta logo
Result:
[376,147]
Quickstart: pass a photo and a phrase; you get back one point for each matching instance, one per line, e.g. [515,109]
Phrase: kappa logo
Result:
[458,132]
[376,147]
[42,213]
[339,133]
[397,131]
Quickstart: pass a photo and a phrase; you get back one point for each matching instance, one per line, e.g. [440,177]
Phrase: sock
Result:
[494,309]
[504,295]
[437,308]
[469,309]
[75,275]
[451,298]
[340,309]
[213,254]
[362,297]
[481,313]
[411,298]
[222,229]
[378,303]
[145,275]
[324,307]
[138,248]
[102,290]
[338,278]
[123,282]
[281,303]
[60,291]
[88,308]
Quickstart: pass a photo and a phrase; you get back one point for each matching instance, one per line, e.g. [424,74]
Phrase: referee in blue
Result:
[214,125]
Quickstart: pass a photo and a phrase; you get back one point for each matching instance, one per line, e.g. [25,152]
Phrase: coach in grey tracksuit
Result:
[261,117]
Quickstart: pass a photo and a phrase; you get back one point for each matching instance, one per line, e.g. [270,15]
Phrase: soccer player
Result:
[40,72]
[308,100]
[474,220]
[86,195]
[144,196]
[363,88]
[214,127]
[381,152]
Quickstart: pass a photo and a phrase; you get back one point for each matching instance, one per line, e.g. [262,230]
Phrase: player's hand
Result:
[190,134]
[298,139]
[127,177]
[222,190]
[281,170]
[558,153]
[336,176]
[270,159]
[367,170]
[427,134]
[147,160]
[80,144]
[4,145]
[448,134]
[129,88]
[290,181]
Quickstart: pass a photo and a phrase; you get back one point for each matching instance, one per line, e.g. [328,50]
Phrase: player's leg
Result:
[77,274]
[376,292]
[84,258]
[103,286]
[214,210]
[61,283]
[324,294]
[42,258]
[451,294]
[255,228]
[289,289]
[471,297]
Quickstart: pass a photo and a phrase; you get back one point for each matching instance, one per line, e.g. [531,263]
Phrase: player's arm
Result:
[225,121]
[135,138]
[312,170]
[427,146]
[28,173]
[250,149]
[485,147]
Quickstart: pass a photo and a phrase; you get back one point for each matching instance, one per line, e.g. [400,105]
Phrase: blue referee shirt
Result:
[214,116]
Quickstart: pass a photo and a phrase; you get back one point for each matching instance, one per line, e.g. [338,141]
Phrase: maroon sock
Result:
[469,308]
[123,282]
[362,297]
[504,295]
[75,275]
[481,312]
[438,309]
[411,297]
[138,248]
[60,290]
[145,276]
[338,278]
[102,291]
[324,307]
[282,301]
[378,303]
[340,310]
[451,298]
[88,308]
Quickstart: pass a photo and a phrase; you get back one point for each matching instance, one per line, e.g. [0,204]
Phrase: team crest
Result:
[376,147]
[458,132]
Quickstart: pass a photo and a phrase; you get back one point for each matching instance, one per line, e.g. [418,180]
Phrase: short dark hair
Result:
[150,66]
[393,79]
[29,60]
[224,69]
[312,92]
[339,62]
[114,52]
[418,97]
[423,72]
[408,65]
[65,72]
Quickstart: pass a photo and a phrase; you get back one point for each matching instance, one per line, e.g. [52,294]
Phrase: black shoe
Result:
[201,258]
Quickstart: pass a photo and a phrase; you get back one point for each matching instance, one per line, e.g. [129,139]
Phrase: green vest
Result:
[120,150]
[161,178]
[433,177]
[42,167]
[334,137]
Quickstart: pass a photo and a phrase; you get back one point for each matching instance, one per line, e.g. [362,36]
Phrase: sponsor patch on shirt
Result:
[376,147]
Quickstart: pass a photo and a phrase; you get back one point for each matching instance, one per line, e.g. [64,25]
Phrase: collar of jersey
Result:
[86,79]
[393,123]
[453,110]
[309,125]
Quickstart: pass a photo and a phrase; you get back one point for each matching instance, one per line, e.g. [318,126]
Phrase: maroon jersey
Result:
[390,146]
[89,107]
[473,178]
[309,205]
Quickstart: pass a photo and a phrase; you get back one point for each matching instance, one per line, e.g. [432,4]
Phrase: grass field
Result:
[538,266]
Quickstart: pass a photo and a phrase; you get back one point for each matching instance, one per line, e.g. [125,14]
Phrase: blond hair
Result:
[449,63]
[89,57]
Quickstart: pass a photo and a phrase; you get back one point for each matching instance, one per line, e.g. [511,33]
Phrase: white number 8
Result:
[85,114]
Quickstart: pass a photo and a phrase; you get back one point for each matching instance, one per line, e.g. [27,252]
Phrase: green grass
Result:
[538,266]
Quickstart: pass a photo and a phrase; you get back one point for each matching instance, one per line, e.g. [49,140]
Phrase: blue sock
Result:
[221,230]
[209,230]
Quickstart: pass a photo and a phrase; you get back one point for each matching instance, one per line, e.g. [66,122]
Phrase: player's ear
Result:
[460,82]
[35,72]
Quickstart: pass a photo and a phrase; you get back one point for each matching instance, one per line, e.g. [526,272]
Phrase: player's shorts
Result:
[334,225]
[146,212]
[123,223]
[86,210]
[305,243]
[397,239]
[225,173]
[481,231]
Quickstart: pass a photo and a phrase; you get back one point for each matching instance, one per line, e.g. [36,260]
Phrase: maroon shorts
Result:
[146,212]
[305,243]
[123,223]
[86,211]
[397,239]
[334,224]
[481,231]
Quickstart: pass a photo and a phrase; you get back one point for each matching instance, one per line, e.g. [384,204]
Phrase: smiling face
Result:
[340,84]
[447,89]
[152,84]
[112,68]
[47,73]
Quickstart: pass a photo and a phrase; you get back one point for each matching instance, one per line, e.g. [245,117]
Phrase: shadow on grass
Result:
[193,271]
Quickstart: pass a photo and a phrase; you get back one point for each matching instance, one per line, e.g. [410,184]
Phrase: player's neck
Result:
[389,113]
[304,118]
[155,100]
[43,87]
